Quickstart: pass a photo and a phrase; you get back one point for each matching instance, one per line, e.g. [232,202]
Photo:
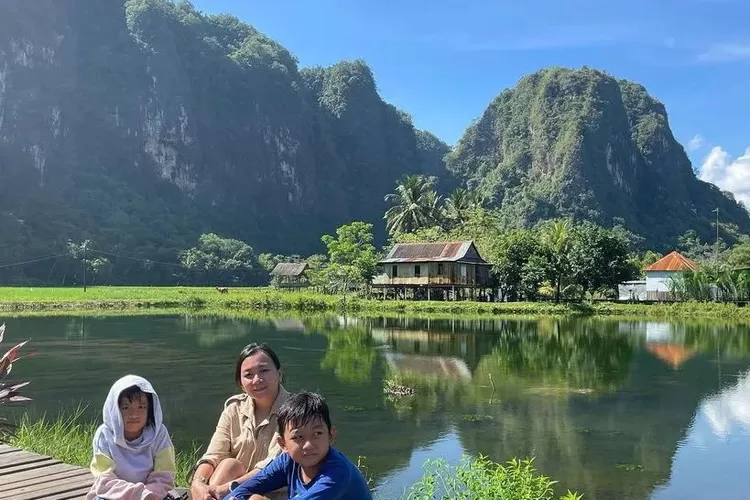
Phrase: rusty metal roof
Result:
[449,251]
[673,261]
[289,269]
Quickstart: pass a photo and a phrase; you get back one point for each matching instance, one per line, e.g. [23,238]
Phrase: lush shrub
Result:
[480,479]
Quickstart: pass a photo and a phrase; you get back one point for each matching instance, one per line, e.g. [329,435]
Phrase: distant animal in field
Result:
[222,289]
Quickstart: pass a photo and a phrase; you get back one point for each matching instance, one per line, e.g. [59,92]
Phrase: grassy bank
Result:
[266,300]
[69,440]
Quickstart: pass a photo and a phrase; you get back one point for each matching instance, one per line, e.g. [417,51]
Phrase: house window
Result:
[394,271]
[440,269]
[417,271]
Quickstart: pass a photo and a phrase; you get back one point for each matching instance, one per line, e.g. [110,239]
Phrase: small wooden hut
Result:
[290,275]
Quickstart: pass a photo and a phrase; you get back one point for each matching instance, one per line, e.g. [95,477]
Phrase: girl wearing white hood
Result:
[133,454]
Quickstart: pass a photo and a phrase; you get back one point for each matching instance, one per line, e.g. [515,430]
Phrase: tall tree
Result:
[556,240]
[220,260]
[352,256]
[599,258]
[459,205]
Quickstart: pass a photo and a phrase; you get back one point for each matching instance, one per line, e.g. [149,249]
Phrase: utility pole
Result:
[84,265]
[716,248]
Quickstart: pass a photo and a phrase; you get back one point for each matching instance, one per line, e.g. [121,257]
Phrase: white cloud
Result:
[728,174]
[696,143]
[729,408]
[726,52]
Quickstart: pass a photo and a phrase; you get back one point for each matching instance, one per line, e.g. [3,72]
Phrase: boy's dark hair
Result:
[248,351]
[133,392]
[301,409]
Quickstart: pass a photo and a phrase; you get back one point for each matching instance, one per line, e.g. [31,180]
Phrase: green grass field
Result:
[241,301]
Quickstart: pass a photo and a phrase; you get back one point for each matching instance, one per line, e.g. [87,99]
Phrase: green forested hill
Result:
[580,143]
[142,123]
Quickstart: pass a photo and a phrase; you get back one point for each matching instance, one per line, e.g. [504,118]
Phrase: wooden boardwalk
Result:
[30,476]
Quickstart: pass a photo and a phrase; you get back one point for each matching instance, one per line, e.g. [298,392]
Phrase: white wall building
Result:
[659,273]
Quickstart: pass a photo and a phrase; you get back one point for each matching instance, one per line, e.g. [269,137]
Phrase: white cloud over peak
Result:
[725,52]
[728,174]
[696,143]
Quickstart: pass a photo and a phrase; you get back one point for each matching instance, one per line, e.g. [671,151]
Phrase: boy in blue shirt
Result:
[309,467]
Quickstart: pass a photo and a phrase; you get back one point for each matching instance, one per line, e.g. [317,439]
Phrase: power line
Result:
[32,261]
[139,259]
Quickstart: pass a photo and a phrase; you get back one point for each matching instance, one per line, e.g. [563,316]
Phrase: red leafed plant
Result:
[9,394]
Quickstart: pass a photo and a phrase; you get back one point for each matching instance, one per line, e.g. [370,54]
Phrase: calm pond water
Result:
[613,409]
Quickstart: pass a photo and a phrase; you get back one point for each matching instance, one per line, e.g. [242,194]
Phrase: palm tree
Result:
[415,205]
[459,205]
[556,239]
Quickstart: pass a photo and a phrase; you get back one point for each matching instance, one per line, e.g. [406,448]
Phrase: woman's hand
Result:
[202,491]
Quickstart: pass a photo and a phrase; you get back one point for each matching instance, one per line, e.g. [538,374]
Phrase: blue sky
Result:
[443,61]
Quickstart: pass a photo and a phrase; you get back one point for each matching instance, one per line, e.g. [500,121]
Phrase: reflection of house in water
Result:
[430,344]
[428,366]
[662,340]
[660,343]
[289,325]
[672,354]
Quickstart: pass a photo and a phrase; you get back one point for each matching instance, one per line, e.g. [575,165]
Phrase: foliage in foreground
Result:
[480,478]
[9,394]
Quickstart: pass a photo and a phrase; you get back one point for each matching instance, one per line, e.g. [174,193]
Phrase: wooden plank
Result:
[31,476]
[11,452]
[50,473]
[43,491]
[65,481]
[24,457]
[27,466]
[68,495]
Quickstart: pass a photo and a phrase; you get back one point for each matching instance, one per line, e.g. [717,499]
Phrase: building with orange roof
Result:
[659,274]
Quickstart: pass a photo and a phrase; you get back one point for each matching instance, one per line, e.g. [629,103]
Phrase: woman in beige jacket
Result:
[245,437]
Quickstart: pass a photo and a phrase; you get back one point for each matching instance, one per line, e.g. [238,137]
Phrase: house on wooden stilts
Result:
[451,270]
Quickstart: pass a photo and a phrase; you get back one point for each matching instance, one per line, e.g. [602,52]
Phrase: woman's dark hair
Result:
[133,392]
[248,351]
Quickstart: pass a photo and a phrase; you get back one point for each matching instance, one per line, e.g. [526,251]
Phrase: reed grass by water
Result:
[259,300]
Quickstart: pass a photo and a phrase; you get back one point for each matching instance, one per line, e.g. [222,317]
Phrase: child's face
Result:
[307,445]
[134,414]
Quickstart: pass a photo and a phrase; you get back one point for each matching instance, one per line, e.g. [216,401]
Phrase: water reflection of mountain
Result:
[712,457]
[614,405]
[602,404]
[190,362]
